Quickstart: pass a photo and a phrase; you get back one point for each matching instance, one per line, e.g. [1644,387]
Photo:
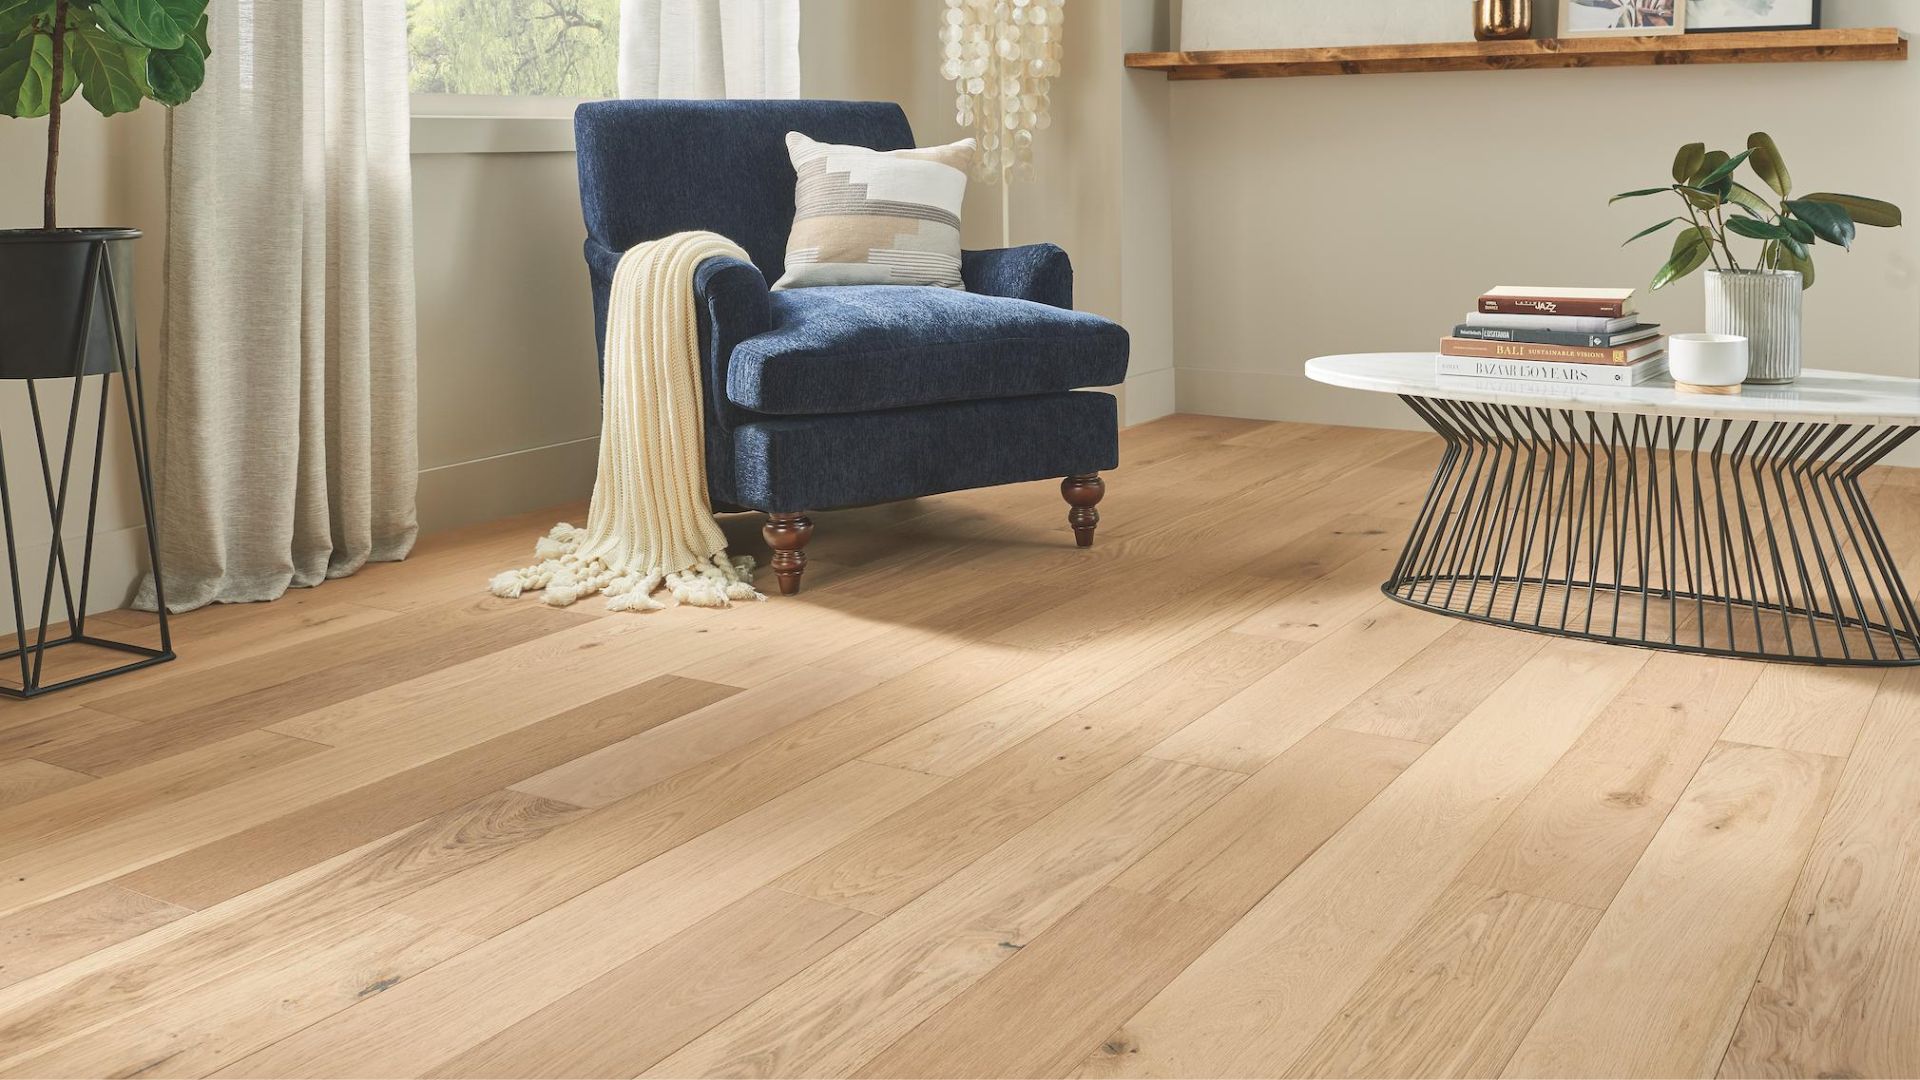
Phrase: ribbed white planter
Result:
[1762,306]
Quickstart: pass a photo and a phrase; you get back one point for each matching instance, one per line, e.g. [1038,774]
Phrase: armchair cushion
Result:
[861,348]
[1038,272]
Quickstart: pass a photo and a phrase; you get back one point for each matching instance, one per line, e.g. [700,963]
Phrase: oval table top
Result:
[1824,397]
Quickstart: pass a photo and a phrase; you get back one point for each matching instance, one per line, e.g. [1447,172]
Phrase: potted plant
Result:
[115,54]
[1760,300]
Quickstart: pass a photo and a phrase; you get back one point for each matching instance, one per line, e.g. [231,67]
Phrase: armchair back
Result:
[653,168]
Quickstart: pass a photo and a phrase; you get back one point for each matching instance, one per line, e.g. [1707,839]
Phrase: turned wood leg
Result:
[788,534]
[1083,493]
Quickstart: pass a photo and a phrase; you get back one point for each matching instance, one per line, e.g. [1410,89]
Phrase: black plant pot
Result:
[52,316]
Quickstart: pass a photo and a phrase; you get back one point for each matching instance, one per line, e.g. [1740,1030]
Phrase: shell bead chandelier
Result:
[1001,55]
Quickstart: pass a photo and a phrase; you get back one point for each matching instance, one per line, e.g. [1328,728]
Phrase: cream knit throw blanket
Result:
[650,525]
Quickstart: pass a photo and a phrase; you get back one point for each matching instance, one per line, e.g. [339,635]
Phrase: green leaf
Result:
[1713,160]
[1701,199]
[157,24]
[1798,229]
[1690,251]
[26,76]
[1724,170]
[16,15]
[1798,249]
[1863,211]
[1757,230]
[175,74]
[1638,194]
[1768,164]
[1788,260]
[1742,196]
[1830,221]
[112,74]
[1687,161]
[1648,231]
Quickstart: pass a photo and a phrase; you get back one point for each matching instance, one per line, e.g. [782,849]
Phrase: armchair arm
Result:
[1038,272]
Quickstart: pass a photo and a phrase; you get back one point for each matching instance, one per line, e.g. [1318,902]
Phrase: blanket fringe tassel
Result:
[563,577]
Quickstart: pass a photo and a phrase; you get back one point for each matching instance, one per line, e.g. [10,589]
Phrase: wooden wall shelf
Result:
[1771,47]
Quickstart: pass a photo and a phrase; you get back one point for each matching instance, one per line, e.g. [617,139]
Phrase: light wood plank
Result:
[1242,846]
[681,987]
[197,1032]
[1642,1000]
[1258,724]
[1579,834]
[1818,710]
[494,985]
[903,856]
[624,834]
[1045,1009]
[289,918]
[1428,694]
[1251,1003]
[1840,989]
[44,937]
[245,860]
[642,760]
[1456,996]
[845,1009]
[26,780]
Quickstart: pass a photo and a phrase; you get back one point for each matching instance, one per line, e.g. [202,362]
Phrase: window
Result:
[517,48]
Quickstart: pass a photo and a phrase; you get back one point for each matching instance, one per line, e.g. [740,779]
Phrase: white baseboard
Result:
[1150,396]
[486,489]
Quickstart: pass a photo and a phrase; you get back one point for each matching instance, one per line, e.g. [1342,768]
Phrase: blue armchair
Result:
[843,396]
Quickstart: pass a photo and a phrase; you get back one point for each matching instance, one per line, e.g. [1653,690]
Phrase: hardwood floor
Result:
[1195,802]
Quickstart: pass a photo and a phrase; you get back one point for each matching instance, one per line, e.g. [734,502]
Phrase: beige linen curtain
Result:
[710,48]
[287,408]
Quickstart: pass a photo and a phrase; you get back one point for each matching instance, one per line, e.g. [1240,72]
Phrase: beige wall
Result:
[1347,214]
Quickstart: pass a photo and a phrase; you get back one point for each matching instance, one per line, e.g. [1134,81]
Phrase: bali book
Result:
[1558,354]
[1557,337]
[1569,323]
[1533,372]
[1540,300]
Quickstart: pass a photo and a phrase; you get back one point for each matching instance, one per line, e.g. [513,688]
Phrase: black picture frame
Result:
[1814,25]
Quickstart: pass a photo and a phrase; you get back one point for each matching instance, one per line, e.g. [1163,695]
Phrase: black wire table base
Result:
[1743,538]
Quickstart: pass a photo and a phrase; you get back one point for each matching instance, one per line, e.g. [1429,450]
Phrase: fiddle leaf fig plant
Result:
[114,53]
[1717,206]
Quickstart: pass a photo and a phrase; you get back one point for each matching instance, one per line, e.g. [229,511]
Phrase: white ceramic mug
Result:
[1707,359]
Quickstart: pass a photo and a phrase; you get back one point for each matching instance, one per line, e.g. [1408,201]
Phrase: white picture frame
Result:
[1598,18]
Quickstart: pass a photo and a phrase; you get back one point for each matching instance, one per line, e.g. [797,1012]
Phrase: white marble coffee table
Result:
[1728,525]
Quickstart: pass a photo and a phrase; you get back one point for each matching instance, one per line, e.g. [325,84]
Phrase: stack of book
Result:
[1534,334]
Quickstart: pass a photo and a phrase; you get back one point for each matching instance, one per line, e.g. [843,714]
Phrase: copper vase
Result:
[1497,20]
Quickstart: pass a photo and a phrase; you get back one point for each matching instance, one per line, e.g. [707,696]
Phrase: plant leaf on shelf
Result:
[1643,192]
[1743,196]
[1688,161]
[1713,160]
[1799,230]
[1829,221]
[1724,170]
[1757,230]
[1787,259]
[1649,231]
[1690,252]
[1700,198]
[1863,211]
[1768,164]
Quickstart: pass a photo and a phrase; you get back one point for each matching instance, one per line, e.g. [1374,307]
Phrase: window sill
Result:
[492,134]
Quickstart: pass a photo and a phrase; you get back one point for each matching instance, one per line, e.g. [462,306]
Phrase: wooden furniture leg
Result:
[1083,493]
[788,534]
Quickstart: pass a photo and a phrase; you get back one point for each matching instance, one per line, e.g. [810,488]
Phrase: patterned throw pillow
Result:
[871,217]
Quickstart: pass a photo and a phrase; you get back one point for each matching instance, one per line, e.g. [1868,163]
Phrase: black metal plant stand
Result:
[30,646]
[1734,538]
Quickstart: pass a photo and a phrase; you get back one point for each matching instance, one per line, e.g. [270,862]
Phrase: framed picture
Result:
[1624,18]
[1720,16]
